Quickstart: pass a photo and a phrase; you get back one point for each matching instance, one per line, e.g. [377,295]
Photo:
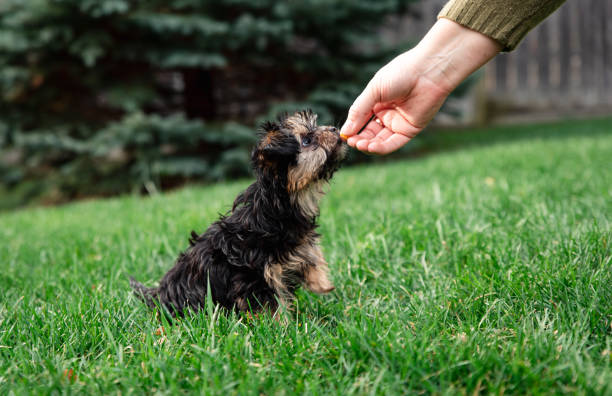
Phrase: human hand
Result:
[405,94]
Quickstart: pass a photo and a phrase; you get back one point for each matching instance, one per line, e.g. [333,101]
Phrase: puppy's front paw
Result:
[317,281]
[322,290]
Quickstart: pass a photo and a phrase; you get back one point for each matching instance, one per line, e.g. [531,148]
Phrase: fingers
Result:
[360,112]
[376,139]
[368,133]
[390,144]
[387,133]
[382,141]
[381,137]
[396,120]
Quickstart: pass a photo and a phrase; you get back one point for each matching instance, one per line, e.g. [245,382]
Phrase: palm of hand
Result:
[403,101]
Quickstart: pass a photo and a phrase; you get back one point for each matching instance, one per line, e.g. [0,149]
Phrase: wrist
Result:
[449,53]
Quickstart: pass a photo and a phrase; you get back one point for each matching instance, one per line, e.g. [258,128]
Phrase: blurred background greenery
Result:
[102,97]
[106,97]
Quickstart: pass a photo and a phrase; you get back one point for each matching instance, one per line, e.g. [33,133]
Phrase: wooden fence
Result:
[564,64]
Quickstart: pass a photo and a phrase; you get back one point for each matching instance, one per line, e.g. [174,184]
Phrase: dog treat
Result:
[258,254]
[345,138]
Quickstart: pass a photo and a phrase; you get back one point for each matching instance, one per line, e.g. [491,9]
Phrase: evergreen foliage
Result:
[107,96]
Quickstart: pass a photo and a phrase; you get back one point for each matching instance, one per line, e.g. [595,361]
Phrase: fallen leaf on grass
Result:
[70,375]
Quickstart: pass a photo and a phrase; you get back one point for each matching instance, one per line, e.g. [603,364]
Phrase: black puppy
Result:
[258,254]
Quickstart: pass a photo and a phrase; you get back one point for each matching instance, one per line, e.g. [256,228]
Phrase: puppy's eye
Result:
[306,141]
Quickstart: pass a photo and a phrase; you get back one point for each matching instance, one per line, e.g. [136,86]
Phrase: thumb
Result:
[360,112]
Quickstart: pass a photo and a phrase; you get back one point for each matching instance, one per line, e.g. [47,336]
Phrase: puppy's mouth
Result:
[339,151]
[334,159]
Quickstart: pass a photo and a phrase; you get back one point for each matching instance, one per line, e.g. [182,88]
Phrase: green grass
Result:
[486,269]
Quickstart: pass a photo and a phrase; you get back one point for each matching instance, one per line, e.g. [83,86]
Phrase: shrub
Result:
[107,96]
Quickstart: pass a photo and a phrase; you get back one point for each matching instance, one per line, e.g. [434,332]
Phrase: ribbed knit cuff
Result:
[506,21]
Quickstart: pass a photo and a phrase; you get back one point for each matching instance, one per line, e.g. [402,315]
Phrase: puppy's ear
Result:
[276,149]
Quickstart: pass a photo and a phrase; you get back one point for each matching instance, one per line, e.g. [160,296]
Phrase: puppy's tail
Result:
[147,295]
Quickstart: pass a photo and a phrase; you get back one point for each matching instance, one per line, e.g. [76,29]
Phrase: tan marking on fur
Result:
[308,260]
[301,124]
[308,164]
[317,280]
[307,199]
[273,274]
[299,130]
[266,140]
[241,304]
[270,136]
[275,277]
[327,139]
[316,276]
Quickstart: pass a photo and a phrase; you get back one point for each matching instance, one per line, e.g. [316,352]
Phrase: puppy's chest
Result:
[307,200]
[297,260]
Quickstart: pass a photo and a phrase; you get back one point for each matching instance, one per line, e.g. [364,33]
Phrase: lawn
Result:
[481,268]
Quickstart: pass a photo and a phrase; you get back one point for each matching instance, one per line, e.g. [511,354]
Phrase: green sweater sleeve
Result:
[506,21]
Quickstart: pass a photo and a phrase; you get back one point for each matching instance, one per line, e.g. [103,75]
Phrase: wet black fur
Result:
[263,227]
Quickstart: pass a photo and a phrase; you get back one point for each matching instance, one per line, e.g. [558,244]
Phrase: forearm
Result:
[449,53]
[406,93]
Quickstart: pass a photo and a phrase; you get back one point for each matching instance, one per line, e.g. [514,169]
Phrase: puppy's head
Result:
[298,151]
